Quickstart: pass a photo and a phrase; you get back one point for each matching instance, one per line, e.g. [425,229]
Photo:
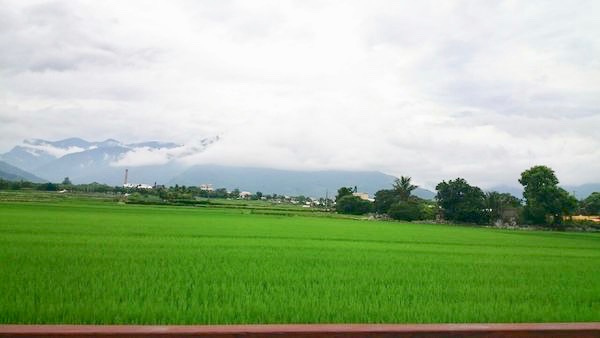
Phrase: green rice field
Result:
[78,261]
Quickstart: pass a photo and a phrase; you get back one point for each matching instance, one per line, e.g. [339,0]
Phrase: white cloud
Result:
[51,150]
[431,89]
[144,155]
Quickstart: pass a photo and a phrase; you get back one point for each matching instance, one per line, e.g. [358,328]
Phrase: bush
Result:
[429,211]
[48,187]
[406,211]
[353,205]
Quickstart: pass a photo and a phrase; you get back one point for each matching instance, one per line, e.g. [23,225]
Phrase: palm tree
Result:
[403,187]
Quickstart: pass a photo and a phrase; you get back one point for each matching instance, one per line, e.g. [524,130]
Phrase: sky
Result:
[430,89]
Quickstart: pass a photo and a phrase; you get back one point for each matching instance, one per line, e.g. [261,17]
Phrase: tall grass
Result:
[121,264]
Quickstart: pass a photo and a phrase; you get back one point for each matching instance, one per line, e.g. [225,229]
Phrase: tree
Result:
[343,191]
[354,205]
[398,202]
[66,181]
[220,193]
[48,187]
[591,205]
[403,187]
[497,203]
[545,202]
[384,199]
[460,201]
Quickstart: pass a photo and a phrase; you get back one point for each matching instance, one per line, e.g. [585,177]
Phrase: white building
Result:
[363,196]
[137,186]
[245,194]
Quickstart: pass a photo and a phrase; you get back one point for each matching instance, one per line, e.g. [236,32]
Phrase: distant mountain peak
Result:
[100,161]
[108,142]
[34,141]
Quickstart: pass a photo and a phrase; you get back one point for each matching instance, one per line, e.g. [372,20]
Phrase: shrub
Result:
[405,210]
[353,205]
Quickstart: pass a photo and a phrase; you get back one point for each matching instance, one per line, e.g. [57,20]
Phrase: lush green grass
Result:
[100,262]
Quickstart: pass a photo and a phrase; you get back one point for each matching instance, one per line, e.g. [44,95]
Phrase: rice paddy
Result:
[96,262]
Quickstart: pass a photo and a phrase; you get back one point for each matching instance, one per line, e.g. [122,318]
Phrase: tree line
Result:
[544,202]
[180,194]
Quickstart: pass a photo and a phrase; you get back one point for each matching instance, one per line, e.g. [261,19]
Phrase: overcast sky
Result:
[429,89]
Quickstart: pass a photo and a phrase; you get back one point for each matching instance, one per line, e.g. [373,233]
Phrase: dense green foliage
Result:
[73,261]
[399,204]
[461,202]
[405,210]
[403,188]
[545,201]
[343,191]
[353,205]
[591,205]
[384,199]
[497,203]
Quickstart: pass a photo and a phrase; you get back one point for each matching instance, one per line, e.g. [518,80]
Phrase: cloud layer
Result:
[432,89]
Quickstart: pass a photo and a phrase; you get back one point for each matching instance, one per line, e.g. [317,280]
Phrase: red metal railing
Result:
[582,330]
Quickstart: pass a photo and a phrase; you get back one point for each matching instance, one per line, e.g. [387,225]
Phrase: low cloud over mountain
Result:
[104,161]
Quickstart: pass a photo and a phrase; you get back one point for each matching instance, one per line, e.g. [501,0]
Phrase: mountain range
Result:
[289,182]
[11,173]
[152,162]
[105,162]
